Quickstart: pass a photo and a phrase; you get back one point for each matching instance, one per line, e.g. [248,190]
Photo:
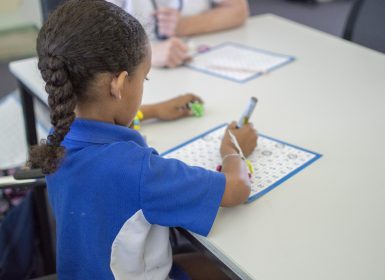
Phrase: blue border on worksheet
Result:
[254,197]
[290,59]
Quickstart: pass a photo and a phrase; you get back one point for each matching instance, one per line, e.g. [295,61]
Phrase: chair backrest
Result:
[48,6]
[25,224]
[366,24]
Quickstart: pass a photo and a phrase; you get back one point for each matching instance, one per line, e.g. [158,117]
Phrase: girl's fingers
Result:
[233,125]
[190,97]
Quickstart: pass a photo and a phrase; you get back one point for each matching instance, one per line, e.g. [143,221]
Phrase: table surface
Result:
[326,222]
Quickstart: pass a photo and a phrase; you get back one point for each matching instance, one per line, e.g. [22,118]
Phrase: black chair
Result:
[365,24]
[30,179]
[47,6]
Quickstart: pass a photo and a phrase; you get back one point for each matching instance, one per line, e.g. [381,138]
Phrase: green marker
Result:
[196,108]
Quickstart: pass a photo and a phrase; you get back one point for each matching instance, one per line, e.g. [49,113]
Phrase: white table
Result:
[328,221]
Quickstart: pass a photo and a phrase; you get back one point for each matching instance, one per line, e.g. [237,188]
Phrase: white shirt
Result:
[143,10]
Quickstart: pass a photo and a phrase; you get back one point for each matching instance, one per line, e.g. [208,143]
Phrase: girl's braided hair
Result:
[79,40]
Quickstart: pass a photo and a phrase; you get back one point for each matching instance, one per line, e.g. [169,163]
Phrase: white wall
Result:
[15,13]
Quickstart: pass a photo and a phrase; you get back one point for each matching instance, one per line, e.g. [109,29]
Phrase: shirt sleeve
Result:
[174,194]
[119,3]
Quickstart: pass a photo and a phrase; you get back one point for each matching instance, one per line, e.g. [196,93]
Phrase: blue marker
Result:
[247,113]
[155,6]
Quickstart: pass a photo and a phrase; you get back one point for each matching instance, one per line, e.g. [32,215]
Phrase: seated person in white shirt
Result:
[166,21]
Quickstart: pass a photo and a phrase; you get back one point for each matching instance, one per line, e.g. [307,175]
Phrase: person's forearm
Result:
[227,15]
[149,111]
[237,181]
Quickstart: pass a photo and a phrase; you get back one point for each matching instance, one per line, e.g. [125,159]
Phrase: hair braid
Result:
[62,103]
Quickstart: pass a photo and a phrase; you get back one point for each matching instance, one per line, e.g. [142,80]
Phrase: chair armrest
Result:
[23,178]
[10,182]
[29,174]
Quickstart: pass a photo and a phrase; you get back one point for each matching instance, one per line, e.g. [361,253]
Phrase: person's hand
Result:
[246,136]
[167,20]
[170,53]
[175,108]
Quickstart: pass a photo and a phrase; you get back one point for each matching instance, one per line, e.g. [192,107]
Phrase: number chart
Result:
[274,161]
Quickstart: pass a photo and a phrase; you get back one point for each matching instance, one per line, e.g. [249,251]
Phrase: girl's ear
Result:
[117,85]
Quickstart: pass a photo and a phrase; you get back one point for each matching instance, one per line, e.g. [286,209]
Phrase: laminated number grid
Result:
[274,161]
[237,62]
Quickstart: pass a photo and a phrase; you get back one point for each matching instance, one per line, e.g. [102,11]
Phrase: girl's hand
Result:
[246,136]
[172,109]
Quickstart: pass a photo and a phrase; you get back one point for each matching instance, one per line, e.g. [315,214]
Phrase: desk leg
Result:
[39,193]
[29,115]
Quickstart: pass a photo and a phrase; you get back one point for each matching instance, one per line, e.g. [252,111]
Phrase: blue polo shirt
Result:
[114,198]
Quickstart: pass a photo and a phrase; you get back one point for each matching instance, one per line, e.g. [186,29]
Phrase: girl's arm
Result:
[235,169]
[172,109]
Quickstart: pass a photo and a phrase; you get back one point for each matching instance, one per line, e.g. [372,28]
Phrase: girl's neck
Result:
[95,112]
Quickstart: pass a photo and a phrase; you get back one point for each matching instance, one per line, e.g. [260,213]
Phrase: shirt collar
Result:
[96,132]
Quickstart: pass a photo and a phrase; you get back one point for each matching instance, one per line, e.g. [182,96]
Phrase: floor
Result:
[328,17]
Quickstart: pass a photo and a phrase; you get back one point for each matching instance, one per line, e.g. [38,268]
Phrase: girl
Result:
[112,196]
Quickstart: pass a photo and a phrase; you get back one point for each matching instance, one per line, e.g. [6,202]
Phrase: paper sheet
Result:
[237,62]
[274,161]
